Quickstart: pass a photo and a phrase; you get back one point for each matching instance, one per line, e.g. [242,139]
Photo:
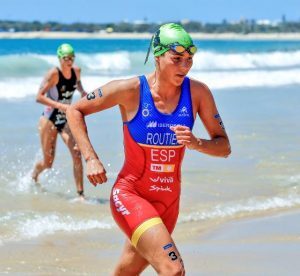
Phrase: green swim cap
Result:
[65,50]
[168,34]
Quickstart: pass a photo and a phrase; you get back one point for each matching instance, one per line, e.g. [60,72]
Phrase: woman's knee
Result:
[76,154]
[126,270]
[175,269]
[170,263]
[178,270]
[77,159]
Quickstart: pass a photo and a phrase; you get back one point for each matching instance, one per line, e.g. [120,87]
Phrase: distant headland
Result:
[243,29]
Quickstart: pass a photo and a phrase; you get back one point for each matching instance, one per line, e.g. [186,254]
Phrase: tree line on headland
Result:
[243,26]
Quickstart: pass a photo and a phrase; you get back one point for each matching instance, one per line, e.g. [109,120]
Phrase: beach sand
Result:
[260,246]
[257,246]
[104,35]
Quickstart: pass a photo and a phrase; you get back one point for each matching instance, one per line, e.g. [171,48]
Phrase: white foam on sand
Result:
[28,225]
[239,209]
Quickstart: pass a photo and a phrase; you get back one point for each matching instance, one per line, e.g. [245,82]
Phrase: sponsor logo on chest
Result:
[183,112]
[67,94]
[162,180]
[162,160]
[155,188]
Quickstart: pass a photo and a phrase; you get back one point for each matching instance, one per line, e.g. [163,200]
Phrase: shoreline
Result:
[206,36]
[254,246]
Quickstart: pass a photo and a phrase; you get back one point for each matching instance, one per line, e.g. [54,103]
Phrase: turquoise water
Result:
[47,46]
[255,84]
[220,64]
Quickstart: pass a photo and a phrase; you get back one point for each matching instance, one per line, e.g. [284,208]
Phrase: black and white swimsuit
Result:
[63,93]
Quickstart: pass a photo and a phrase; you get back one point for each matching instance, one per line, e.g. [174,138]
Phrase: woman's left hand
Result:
[185,137]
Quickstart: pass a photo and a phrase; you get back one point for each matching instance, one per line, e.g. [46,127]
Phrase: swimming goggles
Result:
[179,49]
[175,47]
[68,58]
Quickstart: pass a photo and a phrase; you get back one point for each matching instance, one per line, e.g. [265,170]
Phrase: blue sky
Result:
[104,11]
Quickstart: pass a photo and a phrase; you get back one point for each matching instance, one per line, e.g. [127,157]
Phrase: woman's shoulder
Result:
[201,94]
[198,84]
[199,87]
[77,71]
[52,73]
[128,84]
[76,68]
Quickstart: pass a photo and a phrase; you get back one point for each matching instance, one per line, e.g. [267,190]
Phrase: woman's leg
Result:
[48,136]
[76,156]
[155,247]
[159,249]
[131,262]
[150,239]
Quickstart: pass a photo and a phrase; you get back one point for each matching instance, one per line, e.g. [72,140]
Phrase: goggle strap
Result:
[148,52]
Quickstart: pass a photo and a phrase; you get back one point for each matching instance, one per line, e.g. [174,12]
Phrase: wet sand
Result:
[257,246]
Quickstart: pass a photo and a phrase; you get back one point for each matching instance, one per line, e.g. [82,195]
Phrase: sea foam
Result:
[238,209]
[28,225]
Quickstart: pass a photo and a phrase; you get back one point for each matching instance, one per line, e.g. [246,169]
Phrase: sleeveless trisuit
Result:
[147,189]
[62,92]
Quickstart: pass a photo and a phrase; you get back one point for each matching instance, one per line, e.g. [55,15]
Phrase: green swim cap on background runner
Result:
[65,50]
[167,34]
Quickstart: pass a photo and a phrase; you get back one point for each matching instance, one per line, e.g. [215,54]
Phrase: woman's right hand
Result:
[62,107]
[95,171]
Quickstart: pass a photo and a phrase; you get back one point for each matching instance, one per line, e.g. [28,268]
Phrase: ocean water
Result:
[256,85]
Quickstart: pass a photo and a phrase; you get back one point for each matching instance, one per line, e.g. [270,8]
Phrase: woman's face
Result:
[174,66]
[67,61]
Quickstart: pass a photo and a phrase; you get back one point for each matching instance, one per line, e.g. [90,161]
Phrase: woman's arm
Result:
[109,95]
[49,81]
[218,144]
[78,82]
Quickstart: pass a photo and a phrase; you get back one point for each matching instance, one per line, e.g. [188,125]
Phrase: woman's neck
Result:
[162,87]
[66,71]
